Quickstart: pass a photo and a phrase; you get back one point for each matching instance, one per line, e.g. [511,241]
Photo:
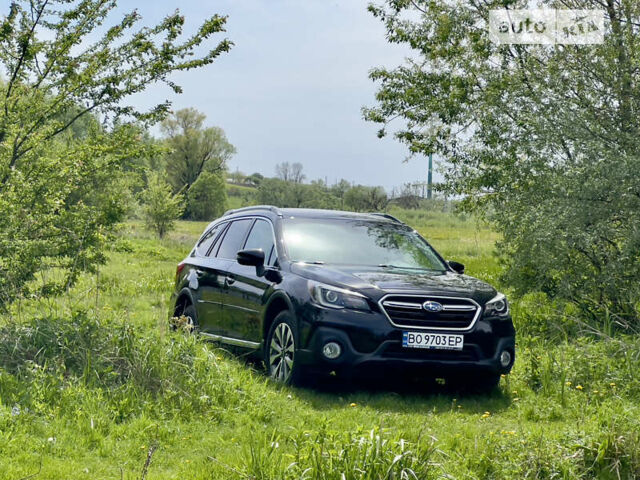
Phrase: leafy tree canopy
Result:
[193,149]
[544,138]
[66,130]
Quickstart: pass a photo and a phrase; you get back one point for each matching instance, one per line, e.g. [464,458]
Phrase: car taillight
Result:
[179,269]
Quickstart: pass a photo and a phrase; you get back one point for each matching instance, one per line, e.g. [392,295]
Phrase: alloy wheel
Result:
[281,353]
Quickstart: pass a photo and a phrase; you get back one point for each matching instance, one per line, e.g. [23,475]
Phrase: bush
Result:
[161,207]
[207,197]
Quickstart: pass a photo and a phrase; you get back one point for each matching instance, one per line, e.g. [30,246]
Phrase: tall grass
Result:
[92,380]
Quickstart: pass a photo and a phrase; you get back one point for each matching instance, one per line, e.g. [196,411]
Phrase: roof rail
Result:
[271,208]
[386,215]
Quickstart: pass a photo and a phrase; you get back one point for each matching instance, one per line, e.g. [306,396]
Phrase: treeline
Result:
[287,189]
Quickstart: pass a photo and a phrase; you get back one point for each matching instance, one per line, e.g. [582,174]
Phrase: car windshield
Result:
[358,242]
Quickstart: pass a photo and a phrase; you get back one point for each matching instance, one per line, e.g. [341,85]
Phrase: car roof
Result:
[310,213]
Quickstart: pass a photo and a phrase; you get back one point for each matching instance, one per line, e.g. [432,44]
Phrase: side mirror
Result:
[457,267]
[253,257]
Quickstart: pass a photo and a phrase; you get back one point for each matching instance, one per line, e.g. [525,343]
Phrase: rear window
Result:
[207,239]
[232,241]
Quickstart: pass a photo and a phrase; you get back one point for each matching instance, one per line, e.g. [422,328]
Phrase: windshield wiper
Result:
[388,265]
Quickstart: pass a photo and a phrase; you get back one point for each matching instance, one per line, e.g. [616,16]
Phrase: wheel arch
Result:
[279,302]
[183,297]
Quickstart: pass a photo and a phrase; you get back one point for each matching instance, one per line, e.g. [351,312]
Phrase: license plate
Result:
[439,341]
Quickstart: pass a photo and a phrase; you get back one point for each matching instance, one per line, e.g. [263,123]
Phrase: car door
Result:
[210,273]
[246,290]
[231,242]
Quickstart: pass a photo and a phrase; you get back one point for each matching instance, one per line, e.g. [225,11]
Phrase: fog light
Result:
[331,350]
[505,358]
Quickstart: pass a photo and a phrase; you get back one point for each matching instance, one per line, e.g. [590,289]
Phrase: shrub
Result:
[161,207]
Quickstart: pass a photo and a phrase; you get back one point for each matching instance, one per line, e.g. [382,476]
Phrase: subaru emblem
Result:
[431,306]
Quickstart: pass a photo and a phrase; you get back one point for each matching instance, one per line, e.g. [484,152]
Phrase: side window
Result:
[261,237]
[206,241]
[232,241]
[218,239]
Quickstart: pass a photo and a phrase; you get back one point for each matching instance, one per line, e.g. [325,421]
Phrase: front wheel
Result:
[280,351]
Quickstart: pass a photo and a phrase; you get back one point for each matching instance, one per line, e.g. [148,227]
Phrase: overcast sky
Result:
[292,87]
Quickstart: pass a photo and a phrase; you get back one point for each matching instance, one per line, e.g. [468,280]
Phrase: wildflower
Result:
[613,384]
[595,391]
[578,387]
[515,399]
[568,384]
[486,414]
[353,405]
[508,432]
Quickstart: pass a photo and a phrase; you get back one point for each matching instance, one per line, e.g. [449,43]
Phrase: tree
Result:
[194,152]
[193,149]
[274,191]
[207,197]
[237,177]
[161,207]
[290,172]
[255,178]
[365,199]
[61,182]
[543,139]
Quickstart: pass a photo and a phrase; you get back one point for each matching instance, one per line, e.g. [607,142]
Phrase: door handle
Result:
[229,280]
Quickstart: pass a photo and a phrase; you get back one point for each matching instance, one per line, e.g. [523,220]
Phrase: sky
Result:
[292,87]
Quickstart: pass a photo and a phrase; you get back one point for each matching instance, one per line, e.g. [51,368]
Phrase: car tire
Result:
[281,349]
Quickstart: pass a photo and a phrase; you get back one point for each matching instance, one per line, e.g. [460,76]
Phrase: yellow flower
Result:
[613,384]
[568,384]
[595,391]
[486,414]
[353,405]
[578,387]
[508,432]
[515,399]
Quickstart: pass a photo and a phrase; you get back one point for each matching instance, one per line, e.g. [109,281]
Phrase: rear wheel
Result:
[280,350]
[186,319]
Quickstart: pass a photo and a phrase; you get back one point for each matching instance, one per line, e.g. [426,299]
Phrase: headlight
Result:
[497,306]
[334,297]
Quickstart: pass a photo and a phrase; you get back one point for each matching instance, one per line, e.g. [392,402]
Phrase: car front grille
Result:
[409,311]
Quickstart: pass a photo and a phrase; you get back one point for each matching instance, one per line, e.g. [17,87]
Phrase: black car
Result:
[320,291]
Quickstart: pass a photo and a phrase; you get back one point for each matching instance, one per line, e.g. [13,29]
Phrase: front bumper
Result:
[370,343]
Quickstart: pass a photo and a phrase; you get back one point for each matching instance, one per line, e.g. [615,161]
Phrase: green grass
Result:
[91,380]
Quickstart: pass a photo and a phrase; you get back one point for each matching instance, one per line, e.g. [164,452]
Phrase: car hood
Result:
[377,281]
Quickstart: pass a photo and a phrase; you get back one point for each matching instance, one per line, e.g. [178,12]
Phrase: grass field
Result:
[92,384]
